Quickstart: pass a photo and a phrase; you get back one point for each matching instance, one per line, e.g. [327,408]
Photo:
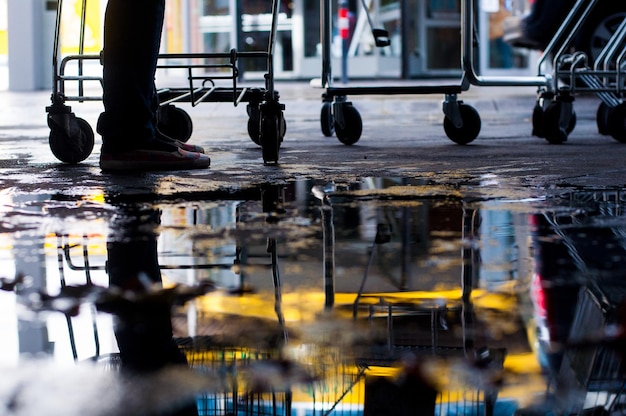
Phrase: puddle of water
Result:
[382,297]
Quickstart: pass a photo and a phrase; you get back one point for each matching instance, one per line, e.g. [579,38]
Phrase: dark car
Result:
[536,29]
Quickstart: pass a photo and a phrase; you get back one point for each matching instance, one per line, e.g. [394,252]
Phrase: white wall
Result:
[30,33]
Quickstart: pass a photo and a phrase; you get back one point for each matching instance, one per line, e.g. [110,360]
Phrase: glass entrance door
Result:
[434,40]
[220,33]
[364,59]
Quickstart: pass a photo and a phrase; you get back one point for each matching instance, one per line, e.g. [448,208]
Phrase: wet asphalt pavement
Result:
[454,271]
[402,137]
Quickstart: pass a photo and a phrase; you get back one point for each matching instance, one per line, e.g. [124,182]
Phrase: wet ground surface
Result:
[404,275]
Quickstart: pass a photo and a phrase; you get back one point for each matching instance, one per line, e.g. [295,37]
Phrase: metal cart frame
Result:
[72,138]
[553,115]
[462,122]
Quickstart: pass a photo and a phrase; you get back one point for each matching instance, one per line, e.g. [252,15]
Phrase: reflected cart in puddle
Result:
[234,368]
[378,297]
[381,333]
[416,324]
[579,294]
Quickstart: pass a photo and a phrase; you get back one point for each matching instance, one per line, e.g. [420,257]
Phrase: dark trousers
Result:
[132,38]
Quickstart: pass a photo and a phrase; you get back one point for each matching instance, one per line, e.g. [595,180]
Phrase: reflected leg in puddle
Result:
[143,329]
[409,394]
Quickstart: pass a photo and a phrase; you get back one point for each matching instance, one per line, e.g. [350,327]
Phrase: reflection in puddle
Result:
[383,297]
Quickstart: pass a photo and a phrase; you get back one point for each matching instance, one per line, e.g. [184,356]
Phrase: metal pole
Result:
[344,32]
[329,254]
[56,48]
[344,61]
[326,35]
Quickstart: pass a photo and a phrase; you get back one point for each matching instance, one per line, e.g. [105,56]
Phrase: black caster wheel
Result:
[537,120]
[273,128]
[75,146]
[617,123]
[572,123]
[470,128]
[270,141]
[327,120]
[254,123]
[349,132]
[538,123]
[602,119]
[283,127]
[174,122]
[556,126]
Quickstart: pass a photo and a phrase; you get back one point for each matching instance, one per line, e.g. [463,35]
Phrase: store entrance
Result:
[364,59]
[434,40]
[220,33]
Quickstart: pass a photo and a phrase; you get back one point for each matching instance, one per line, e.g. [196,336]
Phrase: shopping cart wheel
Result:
[327,120]
[543,101]
[72,145]
[273,128]
[537,120]
[254,130]
[603,116]
[270,141]
[174,122]
[254,122]
[558,124]
[470,128]
[617,123]
[348,124]
[571,125]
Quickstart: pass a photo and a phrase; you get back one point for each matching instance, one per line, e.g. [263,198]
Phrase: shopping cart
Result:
[461,122]
[553,116]
[72,138]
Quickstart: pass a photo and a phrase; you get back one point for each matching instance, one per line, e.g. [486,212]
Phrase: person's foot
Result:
[153,160]
[181,145]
